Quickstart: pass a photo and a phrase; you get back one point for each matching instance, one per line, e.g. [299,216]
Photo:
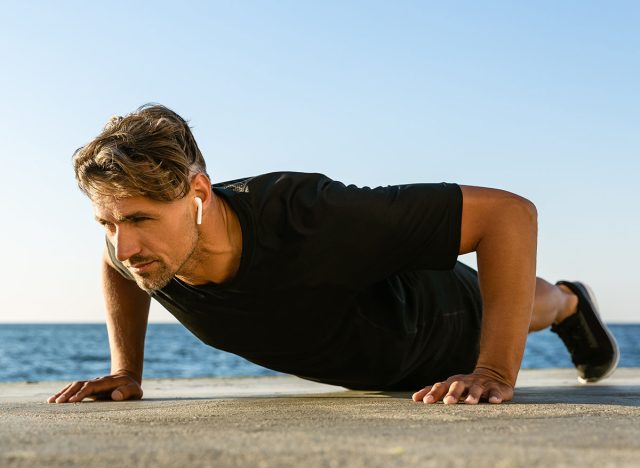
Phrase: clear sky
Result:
[538,98]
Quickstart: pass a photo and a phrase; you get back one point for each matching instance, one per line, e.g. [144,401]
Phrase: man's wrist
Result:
[495,375]
[128,373]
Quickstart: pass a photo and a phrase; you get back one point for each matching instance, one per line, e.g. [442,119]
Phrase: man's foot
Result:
[593,348]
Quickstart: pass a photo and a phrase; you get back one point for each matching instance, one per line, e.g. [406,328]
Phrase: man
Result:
[351,286]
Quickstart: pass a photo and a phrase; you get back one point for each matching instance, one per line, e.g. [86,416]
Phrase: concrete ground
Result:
[285,421]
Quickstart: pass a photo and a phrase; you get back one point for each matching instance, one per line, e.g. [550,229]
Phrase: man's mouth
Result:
[141,267]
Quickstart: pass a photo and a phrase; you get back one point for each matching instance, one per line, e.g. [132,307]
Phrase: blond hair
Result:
[150,152]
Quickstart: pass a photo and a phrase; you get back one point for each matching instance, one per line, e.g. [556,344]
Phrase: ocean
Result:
[36,352]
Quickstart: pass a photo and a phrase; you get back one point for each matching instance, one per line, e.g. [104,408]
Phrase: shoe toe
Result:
[590,373]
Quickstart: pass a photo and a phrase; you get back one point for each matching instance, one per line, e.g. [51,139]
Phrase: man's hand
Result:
[480,385]
[112,387]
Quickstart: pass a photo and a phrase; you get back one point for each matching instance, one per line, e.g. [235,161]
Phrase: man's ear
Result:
[201,188]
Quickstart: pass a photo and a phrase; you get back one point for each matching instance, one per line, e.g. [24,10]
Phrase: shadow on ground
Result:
[625,395]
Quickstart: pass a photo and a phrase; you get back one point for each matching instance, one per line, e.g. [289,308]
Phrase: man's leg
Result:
[571,310]
[552,304]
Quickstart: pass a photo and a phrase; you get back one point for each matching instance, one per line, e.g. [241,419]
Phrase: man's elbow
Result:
[524,208]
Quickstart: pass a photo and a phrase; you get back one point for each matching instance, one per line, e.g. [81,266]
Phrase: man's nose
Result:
[125,243]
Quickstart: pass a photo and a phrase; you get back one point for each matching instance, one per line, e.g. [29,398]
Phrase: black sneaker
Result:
[593,348]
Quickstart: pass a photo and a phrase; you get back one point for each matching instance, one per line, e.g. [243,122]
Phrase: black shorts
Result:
[454,334]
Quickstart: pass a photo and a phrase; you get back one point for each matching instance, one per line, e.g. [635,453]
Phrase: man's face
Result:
[154,240]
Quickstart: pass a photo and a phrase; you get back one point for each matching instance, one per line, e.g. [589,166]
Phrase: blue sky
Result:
[539,98]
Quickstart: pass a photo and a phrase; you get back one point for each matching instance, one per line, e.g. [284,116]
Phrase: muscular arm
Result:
[127,313]
[502,229]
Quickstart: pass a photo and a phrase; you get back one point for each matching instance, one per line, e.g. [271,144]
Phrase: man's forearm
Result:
[506,257]
[127,314]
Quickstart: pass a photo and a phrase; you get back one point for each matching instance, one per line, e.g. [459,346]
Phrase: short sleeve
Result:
[360,235]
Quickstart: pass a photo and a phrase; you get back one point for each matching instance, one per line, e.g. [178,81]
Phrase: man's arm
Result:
[127,313]
[502,229]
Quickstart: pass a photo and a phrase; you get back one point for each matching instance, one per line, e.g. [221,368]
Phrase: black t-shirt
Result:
[329,285]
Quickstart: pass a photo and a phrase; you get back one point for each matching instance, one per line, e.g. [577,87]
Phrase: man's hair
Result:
[150,152]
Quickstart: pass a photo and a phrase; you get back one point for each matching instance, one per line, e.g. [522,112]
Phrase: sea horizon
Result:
[80,351]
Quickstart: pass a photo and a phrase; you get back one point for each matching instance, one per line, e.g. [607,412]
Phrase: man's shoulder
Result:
[269,180]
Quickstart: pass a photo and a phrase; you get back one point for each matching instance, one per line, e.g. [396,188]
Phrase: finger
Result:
[97,387]
[495,396]
[456,390]
[71,390]
[419,395]
[131,391]
[475,393]
[52,398]
[89,388]
[102,396]
[438,390]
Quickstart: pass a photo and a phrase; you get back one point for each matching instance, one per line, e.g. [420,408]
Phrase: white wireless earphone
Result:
[199,214]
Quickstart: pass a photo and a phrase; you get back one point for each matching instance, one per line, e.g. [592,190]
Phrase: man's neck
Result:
[217,256]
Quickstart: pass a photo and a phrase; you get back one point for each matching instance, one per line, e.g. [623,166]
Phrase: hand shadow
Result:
[621,395]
